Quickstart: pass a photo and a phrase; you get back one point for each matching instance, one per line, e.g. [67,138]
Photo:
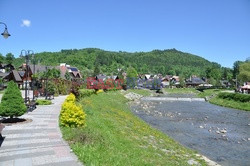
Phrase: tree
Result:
[236,68]
[131,72]
[9,58]
[244,74]
[12,102]
[67,75]
[1,58]
[97,70]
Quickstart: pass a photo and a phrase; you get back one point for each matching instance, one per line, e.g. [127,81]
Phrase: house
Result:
[101,77]
[6,68]
[15,76]
[165,81]
[225,83]
[194,82]
[246,88]
[73,72]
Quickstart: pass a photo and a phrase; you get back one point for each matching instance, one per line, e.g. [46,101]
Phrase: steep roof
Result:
[16,75]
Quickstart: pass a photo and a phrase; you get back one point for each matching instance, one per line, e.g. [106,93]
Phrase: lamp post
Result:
[46,83]
[5,32]
[26,56]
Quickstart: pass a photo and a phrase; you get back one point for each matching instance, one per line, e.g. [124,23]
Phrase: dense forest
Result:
[92,61]
[170,61]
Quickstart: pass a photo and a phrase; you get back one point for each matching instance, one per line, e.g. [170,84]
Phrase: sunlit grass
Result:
[115,136]
[231,103]
[181,90]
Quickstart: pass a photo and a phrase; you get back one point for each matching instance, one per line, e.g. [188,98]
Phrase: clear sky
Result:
[218,30]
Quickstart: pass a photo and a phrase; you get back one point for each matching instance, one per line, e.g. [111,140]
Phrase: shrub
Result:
[71,98]
[12,102]
[43,102]
[86,92]
[71,114]
[234,96]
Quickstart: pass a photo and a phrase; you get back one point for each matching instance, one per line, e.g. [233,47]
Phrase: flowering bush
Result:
[71,98]
[71,114]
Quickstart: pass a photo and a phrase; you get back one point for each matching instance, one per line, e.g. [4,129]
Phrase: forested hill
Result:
[169,61]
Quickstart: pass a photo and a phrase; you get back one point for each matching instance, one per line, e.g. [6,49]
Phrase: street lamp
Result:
[26,56]
[5,32]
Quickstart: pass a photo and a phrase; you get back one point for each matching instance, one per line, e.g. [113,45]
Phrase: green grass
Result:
[115,136]
[209,92]
[43,102]
[181,90]
[231,103]
[143,92]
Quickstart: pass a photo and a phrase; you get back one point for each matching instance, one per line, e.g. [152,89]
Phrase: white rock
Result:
[192,162]
[248,139]
[223,131]
[201,127]
[218,132]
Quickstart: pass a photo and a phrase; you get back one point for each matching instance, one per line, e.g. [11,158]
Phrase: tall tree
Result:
[131,72]
[236,68]
[1,58]
[244,74]
[97,70]
[9,58]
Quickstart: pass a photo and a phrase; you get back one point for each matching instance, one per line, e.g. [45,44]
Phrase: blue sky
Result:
[218,30]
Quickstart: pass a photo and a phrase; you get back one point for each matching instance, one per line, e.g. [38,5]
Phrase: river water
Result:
[221,134]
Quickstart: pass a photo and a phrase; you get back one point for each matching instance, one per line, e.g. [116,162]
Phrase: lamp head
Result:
[5,33]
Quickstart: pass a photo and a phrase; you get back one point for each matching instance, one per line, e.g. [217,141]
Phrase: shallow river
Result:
[221,134]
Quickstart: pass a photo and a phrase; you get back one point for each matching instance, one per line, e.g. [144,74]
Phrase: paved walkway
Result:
[38,142]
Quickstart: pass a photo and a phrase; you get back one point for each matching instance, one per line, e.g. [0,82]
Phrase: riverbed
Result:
[219,133]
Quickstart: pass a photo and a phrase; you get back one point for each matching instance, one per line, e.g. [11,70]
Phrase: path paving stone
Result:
[37,143]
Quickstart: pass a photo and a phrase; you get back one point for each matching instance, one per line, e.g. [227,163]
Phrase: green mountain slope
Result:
[169,61]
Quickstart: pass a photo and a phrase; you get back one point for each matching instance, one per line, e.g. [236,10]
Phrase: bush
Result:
[12,102]
[71,98]
[234,96]
[43,102]
[86,92]
[71,114]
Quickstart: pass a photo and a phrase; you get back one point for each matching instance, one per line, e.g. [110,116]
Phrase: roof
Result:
[21,73]
[73,69]
[101,77]
[2,75]
[16,75]
[195,80]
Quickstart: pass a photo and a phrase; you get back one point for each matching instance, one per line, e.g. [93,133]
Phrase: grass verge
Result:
[181,90]
[115,136]
[231,103]
[43,102]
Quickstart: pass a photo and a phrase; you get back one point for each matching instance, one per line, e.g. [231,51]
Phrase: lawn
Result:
[115,136]
[210,92]
[181,90]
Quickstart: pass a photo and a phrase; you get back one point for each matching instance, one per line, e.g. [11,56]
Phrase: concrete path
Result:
[38,142]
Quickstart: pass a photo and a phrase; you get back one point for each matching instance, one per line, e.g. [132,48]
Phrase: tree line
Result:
[92,61]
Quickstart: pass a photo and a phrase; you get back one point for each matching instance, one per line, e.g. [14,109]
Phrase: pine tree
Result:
[12,104]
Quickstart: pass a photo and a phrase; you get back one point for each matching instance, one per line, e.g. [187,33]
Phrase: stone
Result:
[201,127]
[223,131]
[248,139]
[192,162]
[218,132]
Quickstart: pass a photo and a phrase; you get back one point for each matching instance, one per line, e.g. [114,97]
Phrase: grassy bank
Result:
[115,136]
[209,93]
[231,103]
[181,90]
